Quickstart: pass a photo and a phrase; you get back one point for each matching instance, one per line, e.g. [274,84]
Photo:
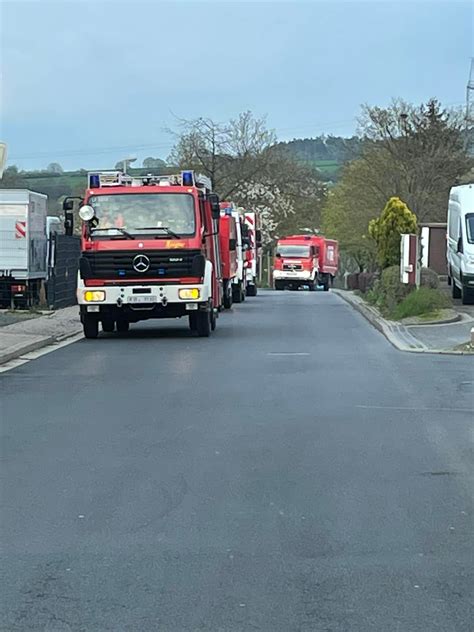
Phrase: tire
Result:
[213,319]
[227,295]
[449,280]
[193,321]
[455,291]
[251,290]
[123,326]
[326,286]
[312,285]
[203,324]
[90,326]
[467,296]
[237,294]
[108,326]
[279,287]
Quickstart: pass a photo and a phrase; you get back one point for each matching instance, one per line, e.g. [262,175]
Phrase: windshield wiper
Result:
[120,230]
[167,230]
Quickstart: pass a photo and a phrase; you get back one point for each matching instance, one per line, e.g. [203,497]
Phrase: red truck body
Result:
[228,251]
[150,249]
[305,260]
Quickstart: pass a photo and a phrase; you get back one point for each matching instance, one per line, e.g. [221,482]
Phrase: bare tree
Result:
[415,153]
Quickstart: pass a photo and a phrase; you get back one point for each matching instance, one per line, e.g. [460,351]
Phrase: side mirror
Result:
[460,245]
[215,206]
[68,223]
[278,255]
[68,204]
[232,244]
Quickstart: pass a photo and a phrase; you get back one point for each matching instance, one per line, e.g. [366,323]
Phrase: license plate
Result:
[148,298]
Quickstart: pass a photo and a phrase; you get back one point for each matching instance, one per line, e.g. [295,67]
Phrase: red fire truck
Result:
[228,227]
[238,280]
[150,249]
[305,260]
[253,242]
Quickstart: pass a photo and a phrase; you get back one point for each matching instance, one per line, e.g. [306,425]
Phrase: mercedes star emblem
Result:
[141,263]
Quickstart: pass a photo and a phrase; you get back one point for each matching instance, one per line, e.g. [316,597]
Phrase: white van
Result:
[460,250]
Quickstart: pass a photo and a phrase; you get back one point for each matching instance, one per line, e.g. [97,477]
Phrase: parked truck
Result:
[150,249]
[228,244]
[23,247]
[253,244]
[305,261]
[238,280]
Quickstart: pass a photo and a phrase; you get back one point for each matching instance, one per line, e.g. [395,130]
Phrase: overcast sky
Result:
[88,83]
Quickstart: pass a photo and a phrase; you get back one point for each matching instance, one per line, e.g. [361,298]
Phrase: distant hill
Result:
[326,153]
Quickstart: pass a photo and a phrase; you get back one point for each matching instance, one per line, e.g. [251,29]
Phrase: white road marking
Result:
[418,409]
[287,353]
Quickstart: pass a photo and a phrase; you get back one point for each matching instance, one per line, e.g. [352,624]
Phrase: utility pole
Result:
[470,108]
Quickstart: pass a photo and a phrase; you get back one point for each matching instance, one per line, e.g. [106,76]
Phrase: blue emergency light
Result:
[188,178]
[94,181]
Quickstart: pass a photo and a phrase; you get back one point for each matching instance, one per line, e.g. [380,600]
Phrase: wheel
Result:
[237,294]
[123,326]
[456,292]
[312,286]
[90,325]
[193,321]
[278,286]
[449,280]
[467,297]
[227,295]
[213,319]
[251,290]
[326,286]
[203,324]
[108,325]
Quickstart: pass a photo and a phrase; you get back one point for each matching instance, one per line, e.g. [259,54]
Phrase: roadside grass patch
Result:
[424,301]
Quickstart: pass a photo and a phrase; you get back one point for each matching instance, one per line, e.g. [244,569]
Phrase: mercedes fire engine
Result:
[150,249]
[305,261]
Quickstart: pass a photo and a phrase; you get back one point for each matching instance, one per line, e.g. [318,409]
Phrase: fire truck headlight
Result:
[189,293]
[94,296]
[86,213]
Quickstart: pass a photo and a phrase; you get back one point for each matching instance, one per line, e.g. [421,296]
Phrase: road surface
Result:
[293,473]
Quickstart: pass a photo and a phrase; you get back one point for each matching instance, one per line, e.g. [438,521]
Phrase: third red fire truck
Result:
[305,260]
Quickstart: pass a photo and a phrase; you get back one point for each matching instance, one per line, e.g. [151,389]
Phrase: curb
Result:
[398,335]
[29,347]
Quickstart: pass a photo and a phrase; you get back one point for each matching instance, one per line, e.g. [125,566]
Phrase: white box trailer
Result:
[23,246]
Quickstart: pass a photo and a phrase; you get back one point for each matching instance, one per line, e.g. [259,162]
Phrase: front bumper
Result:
[468,281]
[128,294]
[293,275]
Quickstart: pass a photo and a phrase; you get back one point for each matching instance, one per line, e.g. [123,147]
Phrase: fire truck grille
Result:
[123,264]
[292,266]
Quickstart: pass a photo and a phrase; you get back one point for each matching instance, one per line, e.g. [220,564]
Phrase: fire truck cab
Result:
[150,249]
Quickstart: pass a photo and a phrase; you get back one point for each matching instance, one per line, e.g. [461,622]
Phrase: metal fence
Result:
[63,261]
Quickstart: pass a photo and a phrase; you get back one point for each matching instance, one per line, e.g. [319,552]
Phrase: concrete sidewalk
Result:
[434,338]
[31,335]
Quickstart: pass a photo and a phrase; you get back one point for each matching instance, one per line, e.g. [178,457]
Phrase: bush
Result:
[388,291]
[429,278]
[419,302]
[367,281]
[395,220]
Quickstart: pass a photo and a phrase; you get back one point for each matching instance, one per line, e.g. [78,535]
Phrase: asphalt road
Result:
[293,473]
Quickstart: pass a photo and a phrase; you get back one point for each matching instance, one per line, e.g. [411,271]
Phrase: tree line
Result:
[412,152]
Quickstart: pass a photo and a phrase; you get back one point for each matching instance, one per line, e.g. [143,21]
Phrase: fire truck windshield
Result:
[293,251]
[169,213]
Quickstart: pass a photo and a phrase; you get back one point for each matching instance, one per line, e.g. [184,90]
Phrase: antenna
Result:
[470,108]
